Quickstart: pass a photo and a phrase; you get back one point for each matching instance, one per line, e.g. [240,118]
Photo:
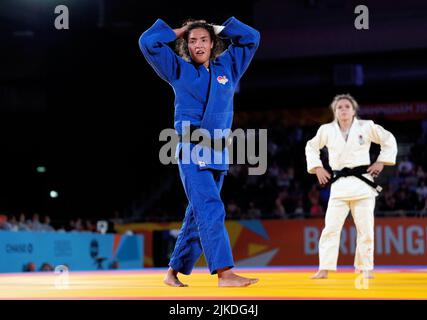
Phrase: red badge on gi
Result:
[222,79]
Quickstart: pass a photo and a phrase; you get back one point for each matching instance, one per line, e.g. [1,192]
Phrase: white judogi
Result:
[349,193]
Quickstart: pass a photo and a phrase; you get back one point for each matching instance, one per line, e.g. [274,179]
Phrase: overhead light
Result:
[41,169]
[53,194]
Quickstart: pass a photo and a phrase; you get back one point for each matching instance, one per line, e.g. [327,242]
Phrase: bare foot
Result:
[367,274]
[321,274]
[228,278]
[171,279]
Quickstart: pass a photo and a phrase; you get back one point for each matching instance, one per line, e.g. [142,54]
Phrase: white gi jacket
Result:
[351,153]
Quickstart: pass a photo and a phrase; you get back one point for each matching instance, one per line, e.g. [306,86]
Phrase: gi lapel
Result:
[205,123]
[351,140]
[219,158]
[339,141]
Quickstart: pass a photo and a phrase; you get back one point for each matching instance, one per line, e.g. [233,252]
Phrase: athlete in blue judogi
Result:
[204,81]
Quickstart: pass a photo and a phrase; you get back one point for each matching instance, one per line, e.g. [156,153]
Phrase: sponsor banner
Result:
[398,241]
[310,116]
[147,229]
[77,251]
[395,111]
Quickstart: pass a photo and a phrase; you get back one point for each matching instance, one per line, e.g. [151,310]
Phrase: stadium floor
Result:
[275,283]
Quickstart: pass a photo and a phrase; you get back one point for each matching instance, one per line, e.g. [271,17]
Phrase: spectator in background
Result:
[297,189]
[29,267]
[299,212]
[89,226]
[114,265]
[46,267]
[297,134]
[78,225]
[316,210]
[421,190]
[279,209]
[22,224]
[35,223]
[283,180]
[71,225]
[390,203]
[61,229]
[116,218]
[236,171]
[233,210]
[4,225]
[272,148]
[253,211]
[274,170]
[314,194]
[420,173]
[14,224]
[253,181]
[406,167]
[423,211]
[45,226]
[282,204]
[291,173]
[405,200]
[394,182]
[386,200]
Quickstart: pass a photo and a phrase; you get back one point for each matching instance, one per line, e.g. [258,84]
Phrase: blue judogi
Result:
[204,99]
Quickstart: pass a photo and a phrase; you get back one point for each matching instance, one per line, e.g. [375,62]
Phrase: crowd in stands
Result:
[406,191]
[23,224]
[48,267]
[11,223]
[287,191]
[31,267]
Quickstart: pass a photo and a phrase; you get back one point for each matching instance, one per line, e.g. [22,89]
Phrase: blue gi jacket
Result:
[204,98]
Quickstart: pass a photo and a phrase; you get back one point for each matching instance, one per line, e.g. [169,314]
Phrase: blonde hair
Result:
[344,97]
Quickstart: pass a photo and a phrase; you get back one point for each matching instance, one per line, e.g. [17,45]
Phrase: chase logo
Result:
[19,248]
[222,79]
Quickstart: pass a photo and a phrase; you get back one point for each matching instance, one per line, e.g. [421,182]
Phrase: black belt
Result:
[356,172]
[206,141]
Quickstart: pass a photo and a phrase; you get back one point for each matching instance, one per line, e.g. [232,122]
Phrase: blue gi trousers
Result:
[203,228]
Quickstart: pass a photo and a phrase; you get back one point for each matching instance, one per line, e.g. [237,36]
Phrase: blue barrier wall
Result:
[78,251]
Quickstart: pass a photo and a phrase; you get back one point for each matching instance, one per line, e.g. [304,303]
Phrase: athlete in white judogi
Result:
[348,140]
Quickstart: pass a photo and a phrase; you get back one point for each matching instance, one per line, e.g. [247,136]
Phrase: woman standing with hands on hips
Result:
[204,80]
[348,140]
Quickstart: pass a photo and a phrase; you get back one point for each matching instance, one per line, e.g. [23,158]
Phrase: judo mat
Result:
[275,284]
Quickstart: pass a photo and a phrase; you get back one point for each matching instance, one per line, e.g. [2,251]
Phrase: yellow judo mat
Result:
[275,283]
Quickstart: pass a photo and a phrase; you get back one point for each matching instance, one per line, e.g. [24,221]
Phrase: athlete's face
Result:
[344,110]
[200,45]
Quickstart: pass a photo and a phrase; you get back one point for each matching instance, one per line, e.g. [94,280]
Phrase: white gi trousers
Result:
[362,211]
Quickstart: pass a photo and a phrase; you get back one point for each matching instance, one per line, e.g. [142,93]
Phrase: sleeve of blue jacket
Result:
[154,46]
[244,43]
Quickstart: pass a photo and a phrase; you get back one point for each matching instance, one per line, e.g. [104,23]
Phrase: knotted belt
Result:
[207,141]
[356,172]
